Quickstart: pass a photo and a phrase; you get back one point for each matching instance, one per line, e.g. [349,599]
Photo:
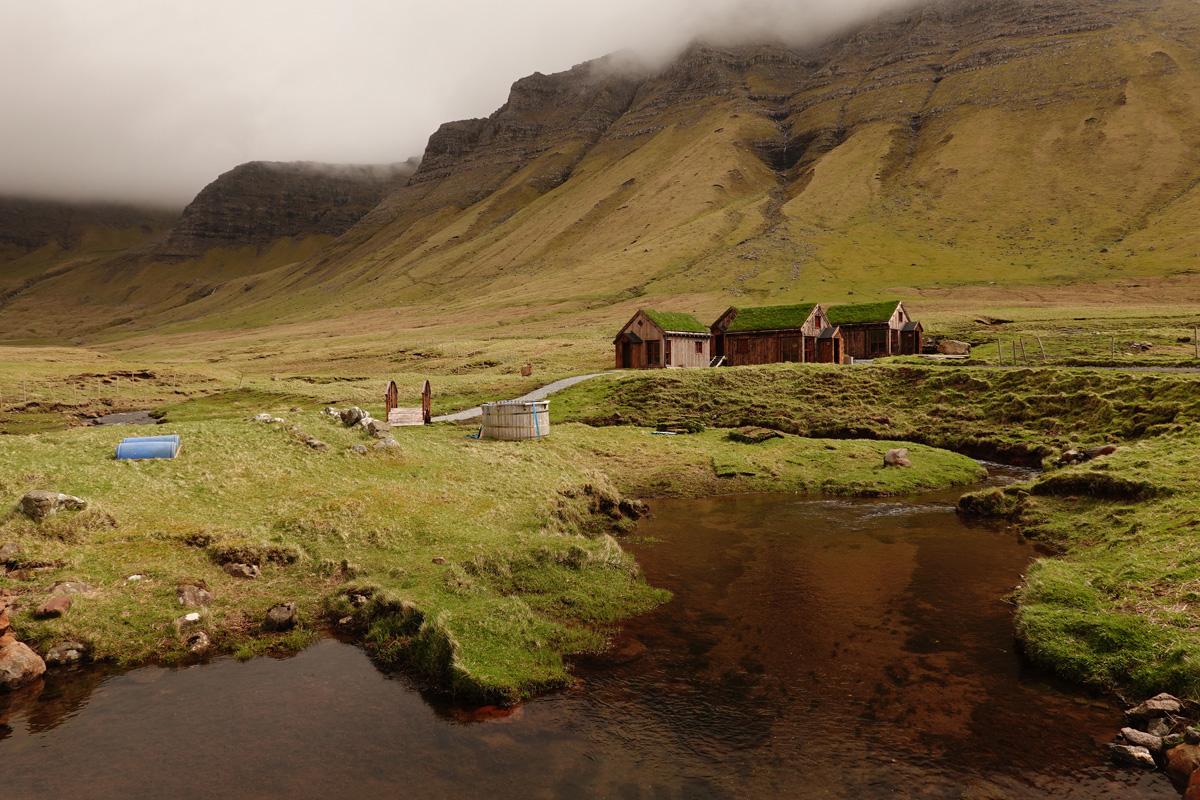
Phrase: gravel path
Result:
[536,394]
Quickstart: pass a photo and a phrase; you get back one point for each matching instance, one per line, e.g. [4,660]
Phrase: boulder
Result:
[1158,706]
[19,666]
[197,642]
[953,347]
[40,504]
[1182,761]
[247,571]
[1162,727]
[317,445]
[361,449]
[187,622]
[1131,756]
[352,415]
[67,588]
[192,596]
[1092,452]
[375,428]
[282,617]
[65,653]
[4,623]
[264,418]
[54,607]
[386,444]
[1193,788]
[1191,735]
[896,458]
[9,552]
[1142,739]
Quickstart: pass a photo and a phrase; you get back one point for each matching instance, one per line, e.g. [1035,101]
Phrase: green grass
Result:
[676,321]
[879,311]
[771,318]
[1120,607]
[532,570]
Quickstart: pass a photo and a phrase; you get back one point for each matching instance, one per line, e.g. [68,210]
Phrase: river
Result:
[816,648]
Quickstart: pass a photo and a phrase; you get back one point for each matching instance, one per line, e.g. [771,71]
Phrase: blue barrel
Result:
[174,437]
[130,450]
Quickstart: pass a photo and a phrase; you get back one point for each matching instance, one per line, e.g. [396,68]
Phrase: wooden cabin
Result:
[871,330]
[663,339]
[771,334]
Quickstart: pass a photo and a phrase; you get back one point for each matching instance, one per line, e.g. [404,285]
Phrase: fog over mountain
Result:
[142,100]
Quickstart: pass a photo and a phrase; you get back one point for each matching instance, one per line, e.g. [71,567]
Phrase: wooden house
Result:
[876,329]
[771,334]
[663,339]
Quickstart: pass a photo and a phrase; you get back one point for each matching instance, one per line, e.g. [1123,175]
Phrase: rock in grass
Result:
[247,571]
[9,552]
[317,445]
[1142,739]
[264,418]
[54,607]
[361,449]
[377,428]
[351,416]
[1191,735]
[67,588]
[1132,756]
[896,458]
[4,623]
[386,444]
[40,504]
[197,642]
[754,435]
[187,622]
[19,666]
[192,596]
[64,653]
[1158,706]
[282,617]
[953,347]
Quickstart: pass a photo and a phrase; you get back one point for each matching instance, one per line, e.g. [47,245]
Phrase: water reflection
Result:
[848,649]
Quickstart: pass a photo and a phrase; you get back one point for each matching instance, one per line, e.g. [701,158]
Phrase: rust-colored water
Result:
[814,648]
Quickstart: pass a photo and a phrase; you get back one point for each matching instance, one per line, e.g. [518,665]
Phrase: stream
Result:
[815,647]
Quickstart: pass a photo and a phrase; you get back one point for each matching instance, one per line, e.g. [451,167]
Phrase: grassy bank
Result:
[531,573]
[1016,415]
[1120,607]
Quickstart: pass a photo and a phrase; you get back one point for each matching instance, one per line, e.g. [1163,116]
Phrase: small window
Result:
[789,348]
[652,353]
[877,341]
[699,347]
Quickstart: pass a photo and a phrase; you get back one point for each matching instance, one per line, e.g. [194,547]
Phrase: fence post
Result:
[1043,348]
[999,352]
[1114,348]
[1024,355]
[1196,341]
[25,392]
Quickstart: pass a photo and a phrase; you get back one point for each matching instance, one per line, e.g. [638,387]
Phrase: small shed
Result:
[769,334]
[876,329]
[662,339]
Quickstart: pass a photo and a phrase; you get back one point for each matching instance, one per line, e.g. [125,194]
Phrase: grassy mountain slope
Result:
[952,155]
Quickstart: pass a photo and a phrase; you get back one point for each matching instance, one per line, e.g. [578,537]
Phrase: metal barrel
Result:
[130,451]
[174,437]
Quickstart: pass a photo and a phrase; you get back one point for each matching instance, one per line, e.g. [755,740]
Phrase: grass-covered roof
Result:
[770,318]
[677,321]
[861,312]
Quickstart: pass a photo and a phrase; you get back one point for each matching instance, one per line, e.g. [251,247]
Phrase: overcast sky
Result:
[152,99]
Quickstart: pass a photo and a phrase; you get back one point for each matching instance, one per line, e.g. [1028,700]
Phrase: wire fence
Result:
[1088,348]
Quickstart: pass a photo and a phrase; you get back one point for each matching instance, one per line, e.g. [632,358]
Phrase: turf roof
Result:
[676,321]
[861,312]
[770,318]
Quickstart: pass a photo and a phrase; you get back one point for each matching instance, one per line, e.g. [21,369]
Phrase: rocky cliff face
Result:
[260,202]
[26,225]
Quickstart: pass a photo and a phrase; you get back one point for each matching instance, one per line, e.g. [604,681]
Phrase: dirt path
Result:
[536,394]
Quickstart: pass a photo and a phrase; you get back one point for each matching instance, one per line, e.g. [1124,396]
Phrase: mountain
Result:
[1022,142]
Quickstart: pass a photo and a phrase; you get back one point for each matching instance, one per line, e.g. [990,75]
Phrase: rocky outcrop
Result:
[262,201]
[26,225]
[19,666]
[39,504]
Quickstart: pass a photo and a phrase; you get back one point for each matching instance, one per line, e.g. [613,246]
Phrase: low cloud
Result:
[143,100]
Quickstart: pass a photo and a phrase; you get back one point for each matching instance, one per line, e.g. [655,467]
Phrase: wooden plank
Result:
[402,417]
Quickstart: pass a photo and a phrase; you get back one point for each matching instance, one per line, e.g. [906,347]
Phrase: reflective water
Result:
[814,648]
